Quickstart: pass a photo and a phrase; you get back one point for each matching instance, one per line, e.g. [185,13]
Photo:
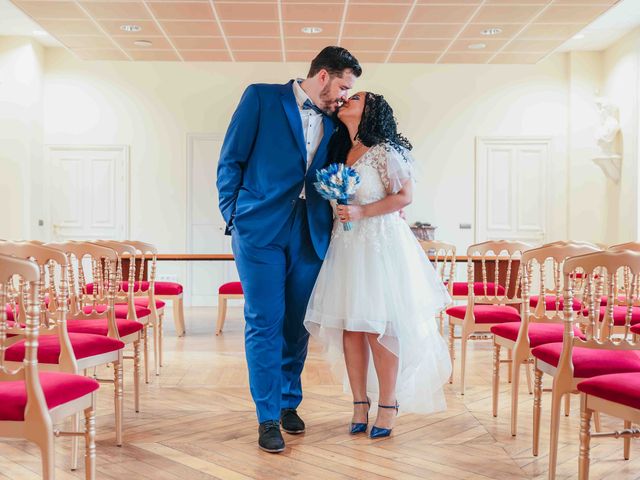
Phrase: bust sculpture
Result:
[605,134]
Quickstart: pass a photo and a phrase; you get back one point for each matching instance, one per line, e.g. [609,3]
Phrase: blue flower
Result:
[337,182]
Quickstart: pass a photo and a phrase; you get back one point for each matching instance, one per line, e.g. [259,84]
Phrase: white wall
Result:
[621,84]
[21,78]
[441,108]
[588,206]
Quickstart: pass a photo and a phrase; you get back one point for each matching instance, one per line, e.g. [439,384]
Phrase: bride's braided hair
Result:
[378,125]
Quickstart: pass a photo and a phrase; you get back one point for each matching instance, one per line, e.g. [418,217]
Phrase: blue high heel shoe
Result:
[360,427]
[377,432]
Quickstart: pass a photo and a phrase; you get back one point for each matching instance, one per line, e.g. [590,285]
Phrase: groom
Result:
[280,226]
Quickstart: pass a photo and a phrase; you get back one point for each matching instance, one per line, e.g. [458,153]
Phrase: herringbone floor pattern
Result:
[197,422]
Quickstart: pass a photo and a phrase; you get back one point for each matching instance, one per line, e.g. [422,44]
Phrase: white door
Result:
[205,226]
[88,192]
[511,196]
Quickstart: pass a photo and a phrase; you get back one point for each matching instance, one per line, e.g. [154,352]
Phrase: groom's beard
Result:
[329,105]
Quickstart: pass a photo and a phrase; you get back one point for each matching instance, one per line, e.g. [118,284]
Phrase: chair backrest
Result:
[53,296]
[27,274]
[542,275]
[444,260]
[602,269]
[146,253]
[623,286]
[99,302]
[124,294]
[500,265]
[633,246]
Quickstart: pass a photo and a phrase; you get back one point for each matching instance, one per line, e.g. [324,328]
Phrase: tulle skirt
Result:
[377,279]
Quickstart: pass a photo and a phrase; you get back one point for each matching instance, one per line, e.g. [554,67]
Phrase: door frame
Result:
[191,139]
[48,169]
[484,141]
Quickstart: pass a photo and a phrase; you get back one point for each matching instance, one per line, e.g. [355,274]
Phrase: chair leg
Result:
[452,352]
[75,441]
[145,348]
[554,433]
[136,375]
[510,358]
[537,394]
[567,405]
[516,366]
[222,313]
[161,337]
[528,370]
[90,443]
[47,454]
[117,387]
[627,441]
[496,377]
[463,359]
[156,346]
[596,422]
[178,316]
[585,439]
[441,319]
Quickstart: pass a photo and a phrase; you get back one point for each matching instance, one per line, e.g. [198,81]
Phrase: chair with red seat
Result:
[227,291]
[132,329]
[444,263]
[58,349]
[32,402]
[98,263]
[487,305]
[146,297]
[541,321]
[599,352]
[617,395]
[125,298]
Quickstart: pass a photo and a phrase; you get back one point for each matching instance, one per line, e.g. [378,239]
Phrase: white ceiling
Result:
[603,32]
[608,28]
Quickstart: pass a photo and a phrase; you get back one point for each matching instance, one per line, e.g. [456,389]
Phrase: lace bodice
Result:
[383,170]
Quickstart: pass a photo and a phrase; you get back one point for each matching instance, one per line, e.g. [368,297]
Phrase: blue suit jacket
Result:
[263,165]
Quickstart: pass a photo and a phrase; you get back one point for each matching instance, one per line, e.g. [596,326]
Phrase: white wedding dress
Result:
[376,278]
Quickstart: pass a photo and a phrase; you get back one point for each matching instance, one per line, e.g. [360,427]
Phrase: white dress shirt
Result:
[311,125]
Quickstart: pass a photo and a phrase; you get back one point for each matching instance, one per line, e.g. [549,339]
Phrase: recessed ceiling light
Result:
[130,28]
[142,43]
[579,36]
[477,46]
[311,30]
[40,33]
[491,31]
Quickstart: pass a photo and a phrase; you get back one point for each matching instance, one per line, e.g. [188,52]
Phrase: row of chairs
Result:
[70,311]
[579,327]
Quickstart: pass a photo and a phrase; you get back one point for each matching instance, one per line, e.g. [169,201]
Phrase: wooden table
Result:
[228,257]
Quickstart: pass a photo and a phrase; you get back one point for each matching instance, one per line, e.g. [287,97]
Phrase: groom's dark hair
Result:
[335,60]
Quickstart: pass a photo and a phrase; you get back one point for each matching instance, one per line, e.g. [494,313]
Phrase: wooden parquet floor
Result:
[197,422]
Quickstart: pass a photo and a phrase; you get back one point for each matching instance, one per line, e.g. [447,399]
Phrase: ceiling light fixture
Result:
[311,30]
[131,28]
[477,46]
[491,31]
[579,36]
[142,43]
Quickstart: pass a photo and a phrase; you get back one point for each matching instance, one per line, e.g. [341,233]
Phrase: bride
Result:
[377,293]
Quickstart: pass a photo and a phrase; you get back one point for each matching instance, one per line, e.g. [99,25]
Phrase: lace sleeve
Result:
[395,167]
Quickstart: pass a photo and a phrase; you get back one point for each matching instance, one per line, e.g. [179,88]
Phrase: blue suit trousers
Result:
[277,280]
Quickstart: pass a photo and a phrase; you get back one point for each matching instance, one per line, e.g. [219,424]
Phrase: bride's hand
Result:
[350,213]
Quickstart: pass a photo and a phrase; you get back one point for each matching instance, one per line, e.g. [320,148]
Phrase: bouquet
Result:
[337,182]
